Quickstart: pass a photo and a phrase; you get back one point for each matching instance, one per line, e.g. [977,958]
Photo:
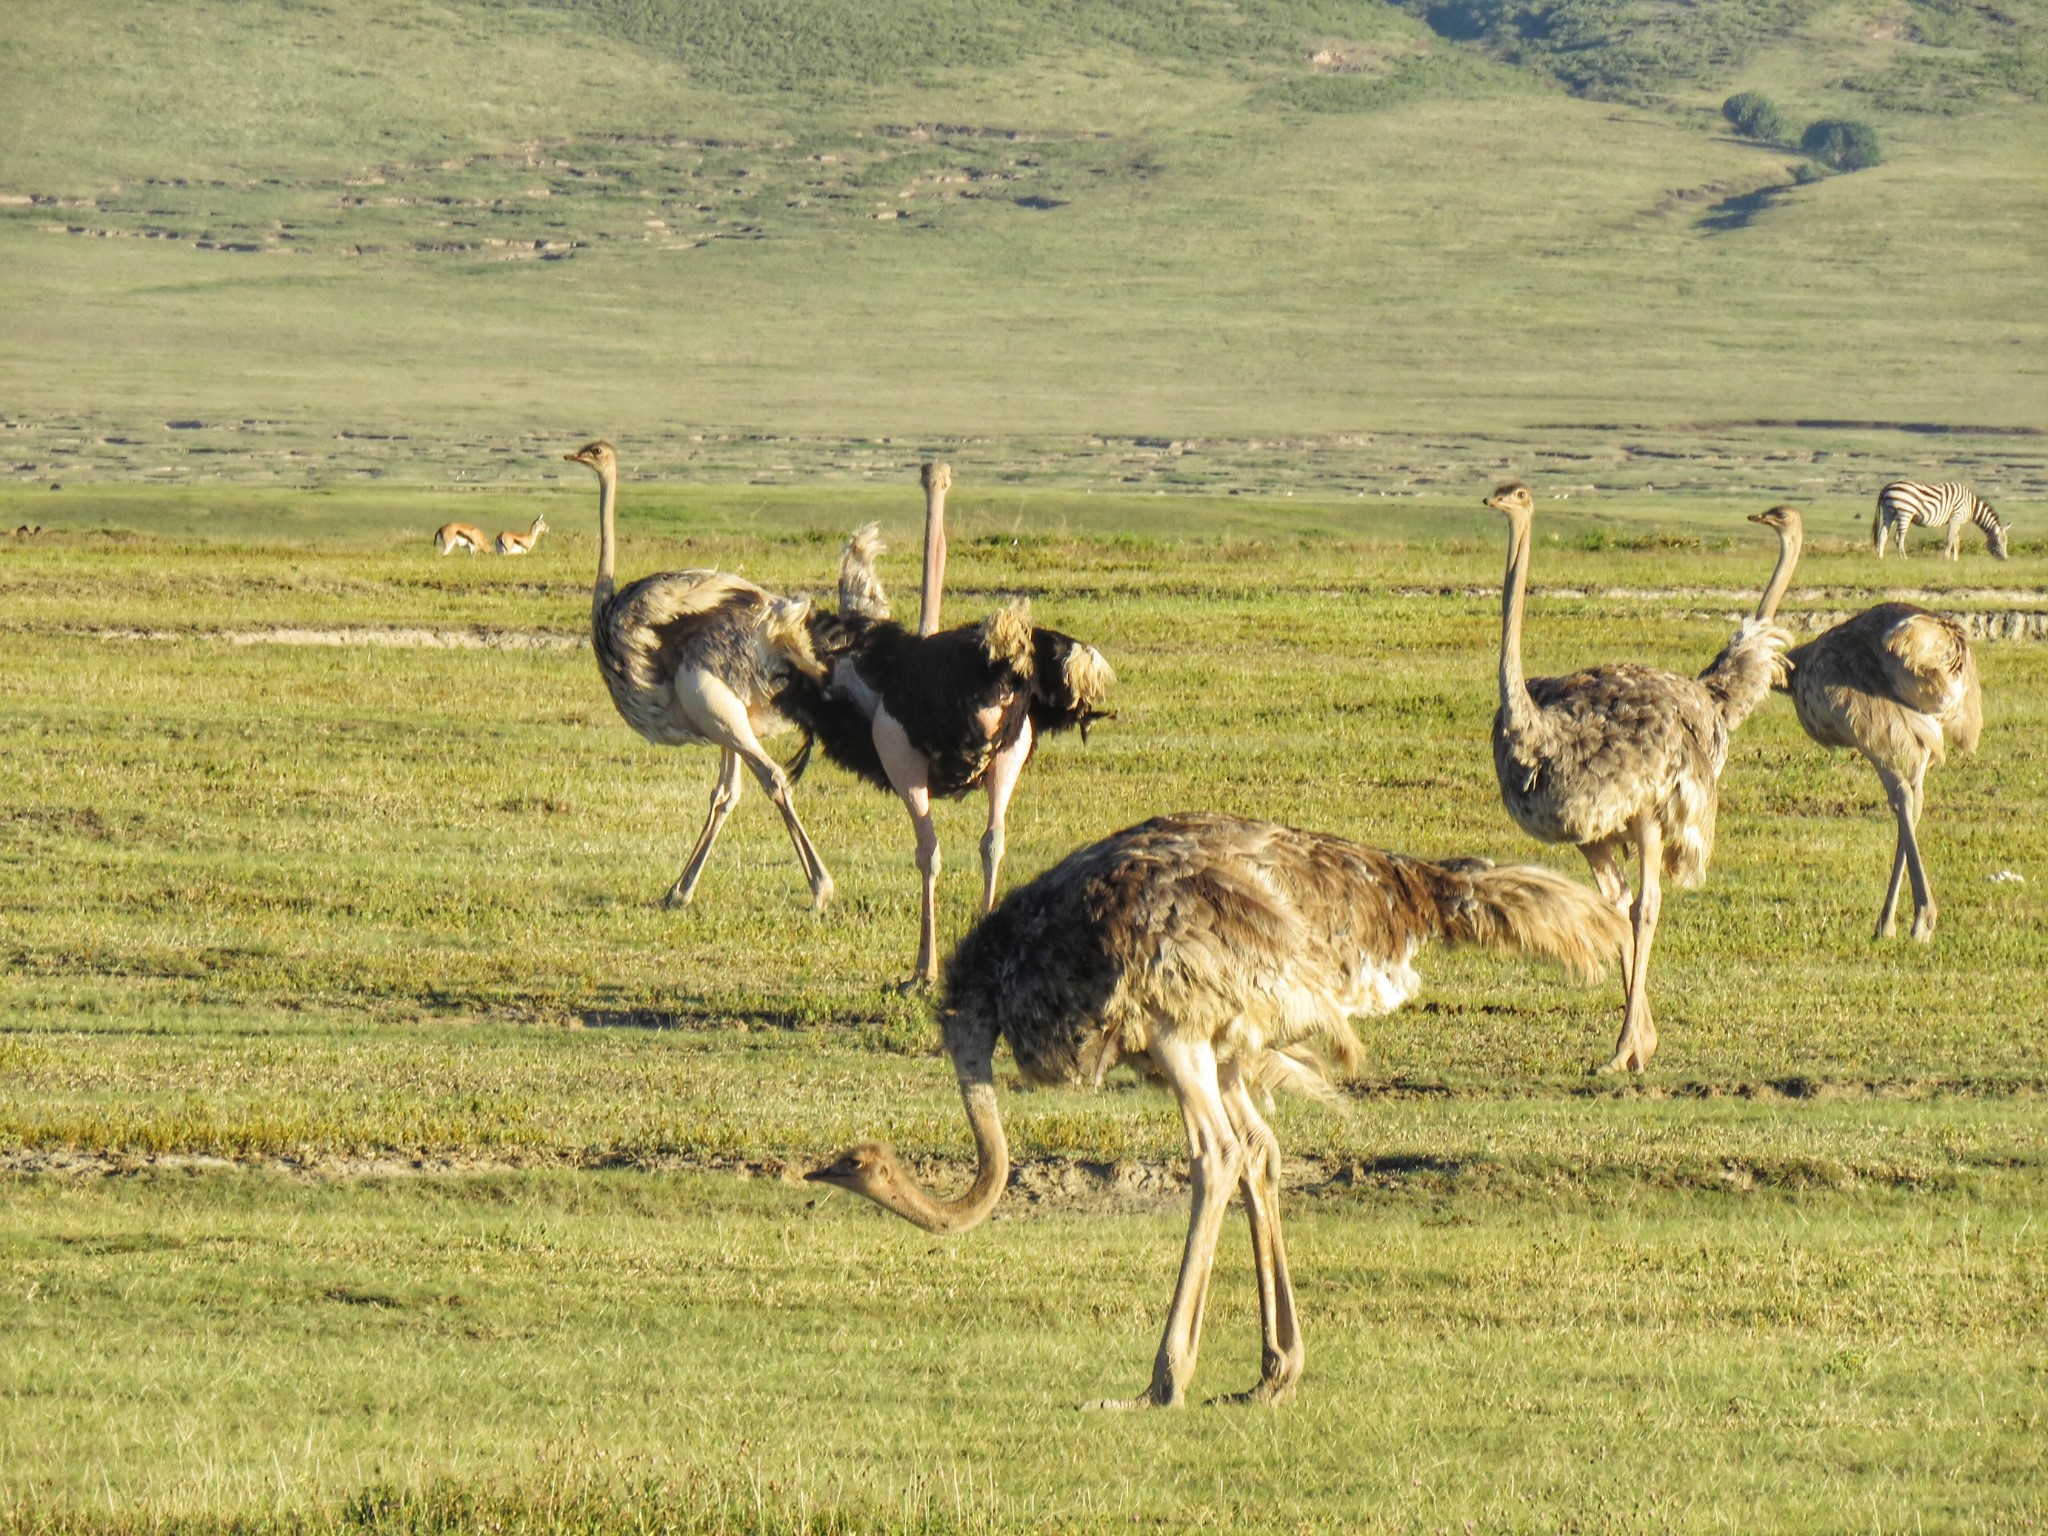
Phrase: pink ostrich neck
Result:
[934,559]
[991,1173]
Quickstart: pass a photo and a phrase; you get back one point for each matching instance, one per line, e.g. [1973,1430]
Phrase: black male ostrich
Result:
[934,716]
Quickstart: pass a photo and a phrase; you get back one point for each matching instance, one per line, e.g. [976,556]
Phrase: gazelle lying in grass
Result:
[522,543]
[450,537]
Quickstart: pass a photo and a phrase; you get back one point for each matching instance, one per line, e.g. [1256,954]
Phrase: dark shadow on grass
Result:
[1733,213]
[708,1019]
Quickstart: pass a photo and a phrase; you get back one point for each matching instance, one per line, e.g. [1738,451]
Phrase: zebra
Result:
[1906,502]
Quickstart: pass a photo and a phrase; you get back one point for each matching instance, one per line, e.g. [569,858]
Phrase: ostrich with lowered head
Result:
[1222,958]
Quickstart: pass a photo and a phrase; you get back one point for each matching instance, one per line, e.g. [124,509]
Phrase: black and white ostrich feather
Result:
[961,695]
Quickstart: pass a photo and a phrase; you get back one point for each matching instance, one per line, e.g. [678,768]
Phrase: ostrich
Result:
[515,543]
[1617,755]
[467,537]
[698,656]
[1895,683]
[933,716]
[1222,958]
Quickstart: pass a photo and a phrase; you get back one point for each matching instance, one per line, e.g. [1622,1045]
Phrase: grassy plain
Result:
[375,1157]
[380,1158]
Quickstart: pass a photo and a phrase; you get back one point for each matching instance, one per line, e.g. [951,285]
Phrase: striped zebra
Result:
[1905,502]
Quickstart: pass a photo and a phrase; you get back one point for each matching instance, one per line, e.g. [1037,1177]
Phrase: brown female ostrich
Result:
[1221,957]
[936,715]
[698,656]
[1894,683]
[1620,754]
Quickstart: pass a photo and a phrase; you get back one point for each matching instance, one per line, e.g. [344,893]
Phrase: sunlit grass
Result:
[448,1168]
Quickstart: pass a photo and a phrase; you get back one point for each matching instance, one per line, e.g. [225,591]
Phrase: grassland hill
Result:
[291,242]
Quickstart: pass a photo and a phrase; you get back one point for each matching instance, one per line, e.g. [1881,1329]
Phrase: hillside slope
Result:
[452,228]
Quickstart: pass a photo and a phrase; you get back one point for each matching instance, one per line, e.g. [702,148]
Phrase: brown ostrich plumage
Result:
[1220,957]
[1620,756]
[699,656]
[1894,682]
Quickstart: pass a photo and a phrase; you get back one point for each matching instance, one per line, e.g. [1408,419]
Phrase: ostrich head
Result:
[1785,519]
[869,1168]
[597,456]
[1513,501]
[1994,536]
[937,476]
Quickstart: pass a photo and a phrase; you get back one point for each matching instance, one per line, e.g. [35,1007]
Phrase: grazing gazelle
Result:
[450,537]
[522,543]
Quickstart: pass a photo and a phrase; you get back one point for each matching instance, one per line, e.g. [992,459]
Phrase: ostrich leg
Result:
[1001,782]
[1605,862]
[1281,1355]
[1923,893]
[719,716]
[1217,1160]
[1638,1042]
[725,794]
[910,776]
[1906,798]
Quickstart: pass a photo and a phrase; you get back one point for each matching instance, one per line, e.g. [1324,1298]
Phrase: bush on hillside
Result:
[1842,143]
[1754,116]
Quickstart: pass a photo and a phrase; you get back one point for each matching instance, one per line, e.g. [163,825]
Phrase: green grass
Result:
[649,1348]
[377,1157]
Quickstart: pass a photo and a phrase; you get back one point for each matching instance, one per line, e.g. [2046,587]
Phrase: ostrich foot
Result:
[1923,924]
[915,986]
[1271,1392]
[1125,1404]
[1631,1055]
[822,892]
[678,895]
[1886,927]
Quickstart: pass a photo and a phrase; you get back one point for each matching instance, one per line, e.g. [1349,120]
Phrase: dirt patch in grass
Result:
[398,639]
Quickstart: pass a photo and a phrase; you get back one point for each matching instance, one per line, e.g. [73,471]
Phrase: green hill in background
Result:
[1168,243]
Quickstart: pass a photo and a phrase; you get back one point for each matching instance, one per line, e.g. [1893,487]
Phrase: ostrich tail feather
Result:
[1523,909]
[1006,636]
[786,630]
[860,583]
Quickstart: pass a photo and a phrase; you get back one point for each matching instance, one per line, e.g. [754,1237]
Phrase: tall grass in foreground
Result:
[626,1351]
